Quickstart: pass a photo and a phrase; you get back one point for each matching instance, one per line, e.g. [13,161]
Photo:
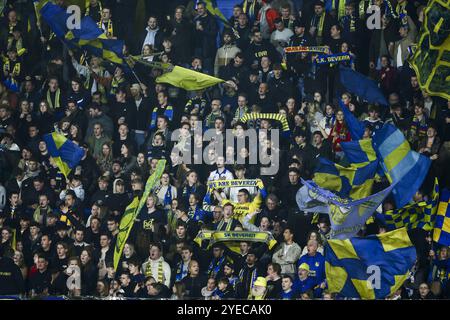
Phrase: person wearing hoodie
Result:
[226,52]
[266,18]
[96,115]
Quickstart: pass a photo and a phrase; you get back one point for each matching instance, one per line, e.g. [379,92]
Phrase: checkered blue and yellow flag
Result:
[64,152]
[441,232]
[353,182]
[369,268]
[88,36]
[418,215]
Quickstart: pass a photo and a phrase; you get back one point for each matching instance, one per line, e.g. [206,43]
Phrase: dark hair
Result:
[181,224]
[276,267]
[134,261]
[244,191]
[287,277]
[105,234]
[156,244]
[188,247]
[291,230]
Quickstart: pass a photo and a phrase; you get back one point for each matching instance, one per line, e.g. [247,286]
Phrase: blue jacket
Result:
[316,266]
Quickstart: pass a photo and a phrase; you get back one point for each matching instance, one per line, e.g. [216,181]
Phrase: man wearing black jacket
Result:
[247,276]
[143,111]
[260,48]
[90,170]
[320,24]
[40,282]
[152,35]
[11,279]
[194,281]
[205,36]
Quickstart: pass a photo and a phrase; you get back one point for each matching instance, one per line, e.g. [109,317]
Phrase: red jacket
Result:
[343,135]
[271,15]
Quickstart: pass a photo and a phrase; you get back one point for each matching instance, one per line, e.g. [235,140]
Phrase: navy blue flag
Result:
[361,86]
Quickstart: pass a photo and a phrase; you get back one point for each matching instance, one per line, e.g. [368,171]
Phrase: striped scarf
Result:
[271,116]
[222,222]
[57,104]
[160,275]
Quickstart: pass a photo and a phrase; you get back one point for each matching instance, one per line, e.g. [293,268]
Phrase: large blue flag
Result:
[66,154]
[361,86]
[369,268]
[401,165]
[347,216]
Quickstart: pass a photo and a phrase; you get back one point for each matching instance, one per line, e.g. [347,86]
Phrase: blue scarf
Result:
[168,196]
[181,272]
[214,266]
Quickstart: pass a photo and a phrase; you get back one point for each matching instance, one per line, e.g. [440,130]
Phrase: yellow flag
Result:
[188,79]
[133,209]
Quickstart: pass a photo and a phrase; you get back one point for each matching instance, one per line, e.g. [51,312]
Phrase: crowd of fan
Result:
[124,121]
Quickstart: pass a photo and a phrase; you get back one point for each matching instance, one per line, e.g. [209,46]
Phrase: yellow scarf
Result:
[251,9]
[109,27]
[57,98]
[228,227]
[321,24]
[341,8]
[15,70]
[88,7]
[115,84]
[11,27]
[149,272]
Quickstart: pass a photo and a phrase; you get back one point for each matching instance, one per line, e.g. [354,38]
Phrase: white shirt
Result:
[138,103]
[399,57]
[286,248]
[150,38]
[220,174]
[155,266]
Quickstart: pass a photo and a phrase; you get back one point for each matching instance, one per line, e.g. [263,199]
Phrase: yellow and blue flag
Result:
[430,59]
[38,5]
[441,233]
[66,154]
[359,151]
[88,37]
[213,9]
[369,268]
[418,215]
[353,182]
[401,165]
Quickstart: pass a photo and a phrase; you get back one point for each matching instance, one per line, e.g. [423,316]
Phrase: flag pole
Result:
[132,69]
